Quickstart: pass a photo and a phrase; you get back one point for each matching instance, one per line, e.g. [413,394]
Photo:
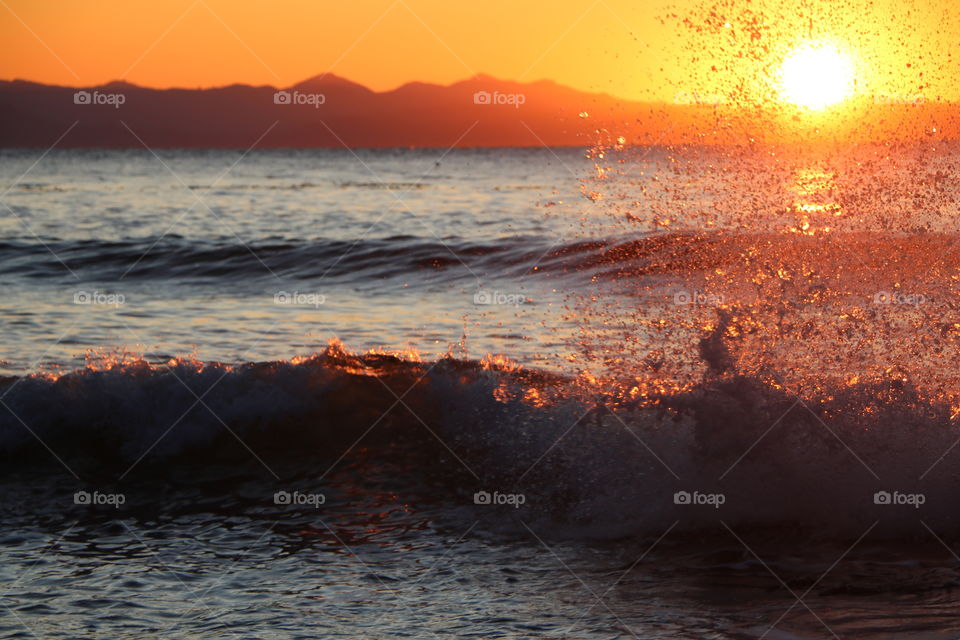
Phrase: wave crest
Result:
[591,457]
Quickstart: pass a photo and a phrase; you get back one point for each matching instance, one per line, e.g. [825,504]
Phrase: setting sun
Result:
[816,76]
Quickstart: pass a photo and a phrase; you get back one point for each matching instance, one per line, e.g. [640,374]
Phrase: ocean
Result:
[620,392]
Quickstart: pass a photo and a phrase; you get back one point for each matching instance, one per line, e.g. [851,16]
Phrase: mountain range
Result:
[330,111]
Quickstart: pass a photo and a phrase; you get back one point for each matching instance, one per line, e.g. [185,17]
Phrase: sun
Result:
[816,75]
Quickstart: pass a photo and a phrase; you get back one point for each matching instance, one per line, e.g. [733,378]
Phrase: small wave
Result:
[612,259]
[174,257]
[177,258]
[390,186]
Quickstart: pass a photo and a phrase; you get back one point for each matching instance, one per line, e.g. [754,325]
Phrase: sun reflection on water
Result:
[814,194]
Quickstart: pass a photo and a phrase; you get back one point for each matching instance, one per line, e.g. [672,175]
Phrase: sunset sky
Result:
[637,50]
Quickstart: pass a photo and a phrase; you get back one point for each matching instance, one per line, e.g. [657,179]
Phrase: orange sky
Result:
[616,46]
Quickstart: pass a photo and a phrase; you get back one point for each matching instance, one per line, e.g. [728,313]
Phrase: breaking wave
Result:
[597,458]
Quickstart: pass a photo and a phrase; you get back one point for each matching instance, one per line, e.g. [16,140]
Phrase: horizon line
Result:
[315,78]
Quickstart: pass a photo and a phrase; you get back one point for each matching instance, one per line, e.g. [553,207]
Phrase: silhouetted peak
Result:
[327,80]
[119,85]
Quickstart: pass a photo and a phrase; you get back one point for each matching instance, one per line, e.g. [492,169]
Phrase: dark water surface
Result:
[481,394]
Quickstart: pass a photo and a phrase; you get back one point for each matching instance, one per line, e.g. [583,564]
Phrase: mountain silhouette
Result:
[330,111]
